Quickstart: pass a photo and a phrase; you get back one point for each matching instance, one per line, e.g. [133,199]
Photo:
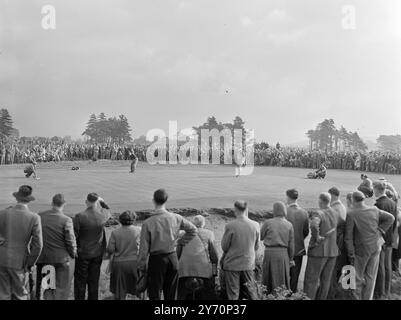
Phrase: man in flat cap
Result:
[20,245]
[365,228]
[240,244]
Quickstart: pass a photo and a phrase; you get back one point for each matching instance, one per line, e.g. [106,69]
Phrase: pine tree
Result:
[102,129]
[91,127]
[125,129]
[6,123]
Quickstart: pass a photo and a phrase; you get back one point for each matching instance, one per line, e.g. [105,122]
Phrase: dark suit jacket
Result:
[299,219]
[59,243]
[363,228]
[20,237]
[321,244]
[90,233]
[388,205]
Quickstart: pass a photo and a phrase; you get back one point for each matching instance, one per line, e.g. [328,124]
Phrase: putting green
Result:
[200,186]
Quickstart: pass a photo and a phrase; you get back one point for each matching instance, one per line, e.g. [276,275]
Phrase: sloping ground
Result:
[257,215]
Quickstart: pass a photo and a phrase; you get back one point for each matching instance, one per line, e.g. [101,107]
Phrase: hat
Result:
[24,194]
[58,200]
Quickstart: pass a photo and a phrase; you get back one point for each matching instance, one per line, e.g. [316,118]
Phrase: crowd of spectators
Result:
[11,153]
[372,161]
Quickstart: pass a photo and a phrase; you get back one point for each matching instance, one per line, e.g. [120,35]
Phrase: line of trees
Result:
[389,143]
[212,123]
[101,129]
[327,137]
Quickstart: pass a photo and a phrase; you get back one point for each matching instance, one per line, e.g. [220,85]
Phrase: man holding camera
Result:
[89,227]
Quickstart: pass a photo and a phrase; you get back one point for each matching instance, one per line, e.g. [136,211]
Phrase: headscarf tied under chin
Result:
[279,209]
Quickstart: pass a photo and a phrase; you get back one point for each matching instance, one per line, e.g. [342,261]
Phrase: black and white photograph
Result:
[193,151]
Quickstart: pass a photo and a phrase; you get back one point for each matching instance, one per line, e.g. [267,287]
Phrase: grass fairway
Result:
[201,187]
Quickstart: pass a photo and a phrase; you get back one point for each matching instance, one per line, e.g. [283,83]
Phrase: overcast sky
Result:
[286,65]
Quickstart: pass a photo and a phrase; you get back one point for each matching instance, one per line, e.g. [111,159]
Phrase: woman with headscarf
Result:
[123,248]
[197,264]
[277,235]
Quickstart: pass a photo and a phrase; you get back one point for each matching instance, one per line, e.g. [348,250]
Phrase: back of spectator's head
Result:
[363,176]
[324,198]
[58,200]
[127,218]
[357,197]
[279,209]
[292,194]
[240,205]
[389,194]
[92,197]
[199,221]
[379,186]
[160,197]
[334,191]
